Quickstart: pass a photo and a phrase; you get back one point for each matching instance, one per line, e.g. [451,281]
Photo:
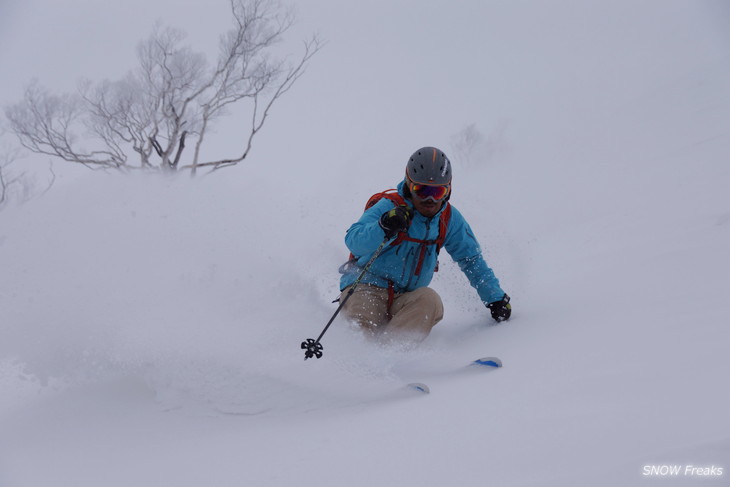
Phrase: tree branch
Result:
[171,98]
[180,148]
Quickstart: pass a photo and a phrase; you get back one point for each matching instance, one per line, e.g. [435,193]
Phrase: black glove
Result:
[396,220]
[501,310]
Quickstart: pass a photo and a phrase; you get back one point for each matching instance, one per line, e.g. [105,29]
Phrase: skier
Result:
[393,299]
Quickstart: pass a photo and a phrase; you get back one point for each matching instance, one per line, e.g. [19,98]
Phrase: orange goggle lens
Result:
[424,191]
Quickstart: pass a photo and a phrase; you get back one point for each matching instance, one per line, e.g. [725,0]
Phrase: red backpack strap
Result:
[444,219]
[443,226]
[396,199]
[389,194]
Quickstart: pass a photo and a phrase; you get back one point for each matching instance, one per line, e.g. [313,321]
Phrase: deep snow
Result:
[151,326]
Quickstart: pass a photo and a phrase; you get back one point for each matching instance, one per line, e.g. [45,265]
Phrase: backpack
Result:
[397,199]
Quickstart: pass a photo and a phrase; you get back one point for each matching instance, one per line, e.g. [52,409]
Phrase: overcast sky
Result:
[395,75]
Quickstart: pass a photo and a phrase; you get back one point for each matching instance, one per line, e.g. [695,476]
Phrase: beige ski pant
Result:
[411,317]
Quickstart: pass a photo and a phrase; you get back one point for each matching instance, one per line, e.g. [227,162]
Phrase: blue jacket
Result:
[397,263]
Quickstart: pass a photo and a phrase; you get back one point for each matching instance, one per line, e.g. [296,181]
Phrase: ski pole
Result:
[314,347]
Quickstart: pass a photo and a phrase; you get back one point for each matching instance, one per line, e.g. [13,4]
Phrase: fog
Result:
[151,326]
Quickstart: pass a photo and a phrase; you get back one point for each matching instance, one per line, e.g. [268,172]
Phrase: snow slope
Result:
[151,327]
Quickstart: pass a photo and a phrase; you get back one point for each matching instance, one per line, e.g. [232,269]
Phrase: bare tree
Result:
[473,148]
[465,143]
[16,186]
[167,104]
[7,180]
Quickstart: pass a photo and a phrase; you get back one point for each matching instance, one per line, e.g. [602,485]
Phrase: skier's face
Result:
[427,208]
[428,199]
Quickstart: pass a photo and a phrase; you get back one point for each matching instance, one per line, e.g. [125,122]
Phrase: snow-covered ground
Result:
[150,327]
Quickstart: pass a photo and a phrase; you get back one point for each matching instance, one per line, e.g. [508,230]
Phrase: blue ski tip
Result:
[488,362]
[418,386]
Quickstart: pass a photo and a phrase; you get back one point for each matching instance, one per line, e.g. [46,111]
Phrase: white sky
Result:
[398,75]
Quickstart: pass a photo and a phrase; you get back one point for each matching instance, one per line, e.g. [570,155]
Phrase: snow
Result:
[151,326]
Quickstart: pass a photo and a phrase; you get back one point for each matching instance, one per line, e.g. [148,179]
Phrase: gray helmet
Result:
[429,165]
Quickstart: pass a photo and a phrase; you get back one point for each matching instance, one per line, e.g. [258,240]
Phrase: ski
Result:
[487,362]
[419,387]
[483,363]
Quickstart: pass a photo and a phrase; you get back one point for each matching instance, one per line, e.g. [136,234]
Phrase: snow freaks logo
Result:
[681,471]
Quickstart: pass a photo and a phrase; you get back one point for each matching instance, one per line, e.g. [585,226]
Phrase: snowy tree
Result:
[6,181]
[473,148]
[17,186]
[466,142]
[157,117]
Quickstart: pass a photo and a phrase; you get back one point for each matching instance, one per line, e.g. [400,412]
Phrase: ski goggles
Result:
[426,191]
